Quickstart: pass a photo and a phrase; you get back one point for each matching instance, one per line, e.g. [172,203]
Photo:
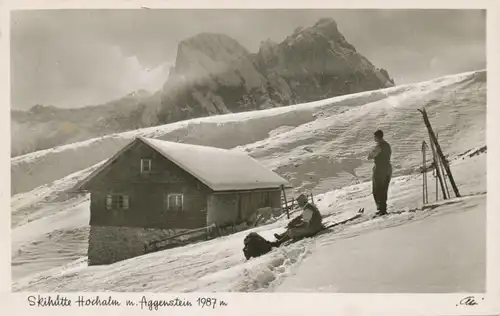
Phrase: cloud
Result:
[69,68]
[74,58]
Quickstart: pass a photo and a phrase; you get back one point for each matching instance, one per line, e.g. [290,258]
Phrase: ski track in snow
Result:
[319,146]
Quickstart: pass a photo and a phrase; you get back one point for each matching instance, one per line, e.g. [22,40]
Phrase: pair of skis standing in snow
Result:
[309,223]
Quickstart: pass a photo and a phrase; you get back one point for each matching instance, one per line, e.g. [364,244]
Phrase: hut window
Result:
[115,201]
[175,202]
[145,165]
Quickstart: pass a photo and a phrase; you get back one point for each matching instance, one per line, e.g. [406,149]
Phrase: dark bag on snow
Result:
[255,246]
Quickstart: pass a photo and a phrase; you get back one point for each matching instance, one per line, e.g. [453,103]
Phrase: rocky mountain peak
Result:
[324,33]
[326,23]
[214,74]
[207,50]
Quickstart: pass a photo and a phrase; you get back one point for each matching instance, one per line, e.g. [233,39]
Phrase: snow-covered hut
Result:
[151,186]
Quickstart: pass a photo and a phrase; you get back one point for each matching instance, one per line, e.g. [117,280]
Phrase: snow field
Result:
[319,147]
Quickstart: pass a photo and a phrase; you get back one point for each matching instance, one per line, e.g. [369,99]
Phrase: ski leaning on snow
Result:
[332,224]
[374,216]
[363,217]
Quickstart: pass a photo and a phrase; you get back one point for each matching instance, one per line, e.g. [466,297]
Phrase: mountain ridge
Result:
[214,74]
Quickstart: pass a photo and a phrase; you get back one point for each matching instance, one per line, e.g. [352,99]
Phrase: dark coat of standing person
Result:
[382,171]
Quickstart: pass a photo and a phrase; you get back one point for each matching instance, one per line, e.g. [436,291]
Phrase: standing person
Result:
[305,225]
[382,171]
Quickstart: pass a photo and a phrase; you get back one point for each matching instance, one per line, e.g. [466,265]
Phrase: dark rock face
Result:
[216,75]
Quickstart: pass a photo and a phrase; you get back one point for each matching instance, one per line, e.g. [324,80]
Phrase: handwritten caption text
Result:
[109,301]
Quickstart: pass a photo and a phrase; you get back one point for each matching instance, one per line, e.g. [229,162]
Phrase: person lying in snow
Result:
[305,225]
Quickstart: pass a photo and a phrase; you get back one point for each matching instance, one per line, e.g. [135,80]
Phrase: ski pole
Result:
[424,173]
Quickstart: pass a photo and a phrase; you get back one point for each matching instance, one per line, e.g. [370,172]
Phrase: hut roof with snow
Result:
[219,169]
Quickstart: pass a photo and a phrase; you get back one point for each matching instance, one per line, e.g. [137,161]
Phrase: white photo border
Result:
[272,303]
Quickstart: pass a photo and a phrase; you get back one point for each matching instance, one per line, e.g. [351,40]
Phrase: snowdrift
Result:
[319,146]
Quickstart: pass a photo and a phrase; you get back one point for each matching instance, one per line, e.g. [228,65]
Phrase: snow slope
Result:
[383,263]
[320,146]
[331,127]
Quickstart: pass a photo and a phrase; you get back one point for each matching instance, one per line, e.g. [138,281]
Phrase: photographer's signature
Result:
[469,301]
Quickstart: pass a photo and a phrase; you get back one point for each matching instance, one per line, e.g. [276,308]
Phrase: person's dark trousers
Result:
[380,186]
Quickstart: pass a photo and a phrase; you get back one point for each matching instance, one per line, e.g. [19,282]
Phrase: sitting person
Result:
[305,225]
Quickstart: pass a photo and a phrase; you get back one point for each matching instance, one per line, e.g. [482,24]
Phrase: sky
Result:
[75,58]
